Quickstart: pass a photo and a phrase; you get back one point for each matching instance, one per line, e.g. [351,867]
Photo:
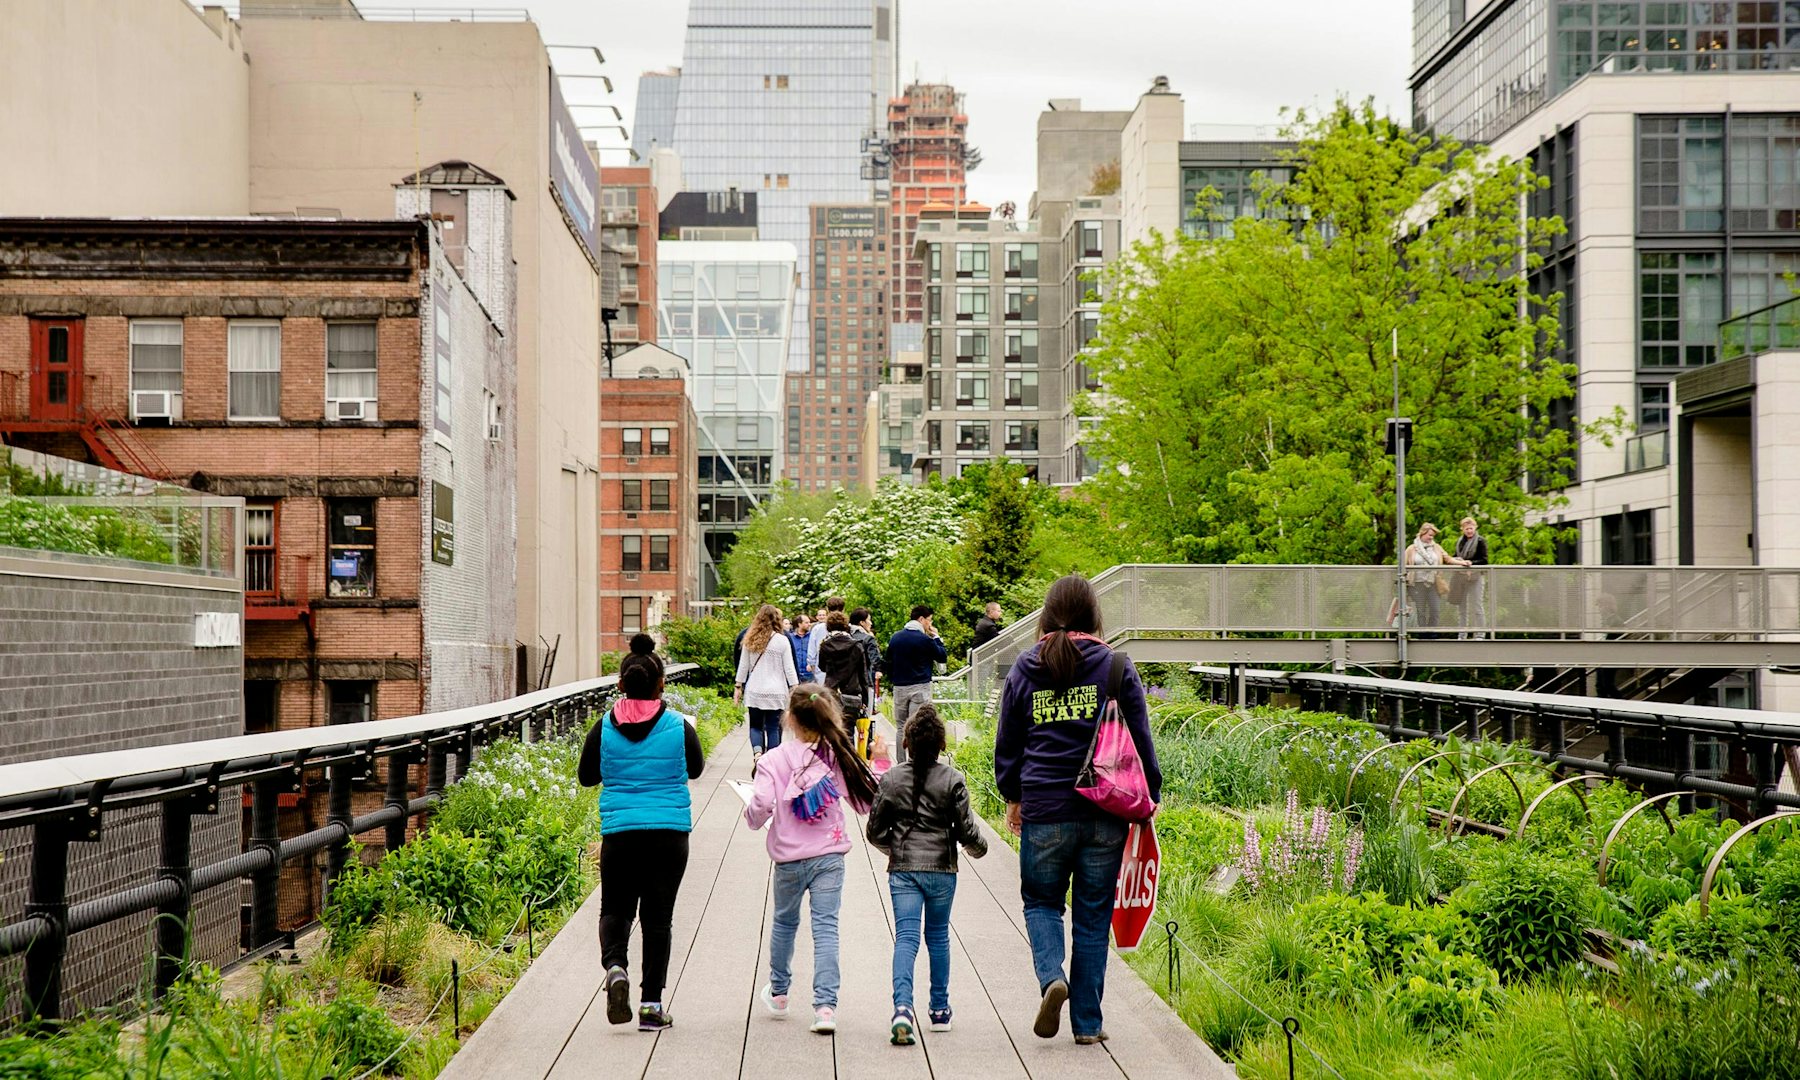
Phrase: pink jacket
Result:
[783,773]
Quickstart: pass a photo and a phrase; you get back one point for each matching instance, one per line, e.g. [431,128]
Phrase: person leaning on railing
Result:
[1468,590]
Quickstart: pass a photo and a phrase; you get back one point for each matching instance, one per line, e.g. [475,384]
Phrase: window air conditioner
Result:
[351,409]
[150,405]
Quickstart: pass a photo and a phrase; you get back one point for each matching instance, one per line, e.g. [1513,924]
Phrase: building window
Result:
[260,547]
[1680,304]
[1765,183]
[1021,346]
[1627,540]
[493,415]
[631,553]
[1087,328]
[1022,389]
[631,614]
[350,547]
[1090,240]
[631,494]
[1022,303]
[442,409]
[261,711]
[1021,260]
[935,261]
[659,494]
[1021,434]
[631,441]
[971,304]
[156,368]
[659,553]
[659,442]
[254,383]
[1653,406]
[934,304]
[781,180]
[350,381]
[972,391]
[971,260]
[971,347]
[1681,173]
[972,435]
[349,702]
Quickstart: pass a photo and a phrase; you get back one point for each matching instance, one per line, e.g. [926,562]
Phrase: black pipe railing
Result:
[1387,703]
[64,801]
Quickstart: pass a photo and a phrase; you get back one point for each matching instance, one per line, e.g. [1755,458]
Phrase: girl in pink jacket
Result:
[801,786]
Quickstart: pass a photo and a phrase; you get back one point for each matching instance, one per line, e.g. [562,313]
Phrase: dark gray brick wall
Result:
[97,665]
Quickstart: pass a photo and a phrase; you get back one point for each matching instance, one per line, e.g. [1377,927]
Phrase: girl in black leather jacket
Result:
[920,815]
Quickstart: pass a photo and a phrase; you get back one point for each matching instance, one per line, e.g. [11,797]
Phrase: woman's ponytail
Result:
[1070,607]
[814,708]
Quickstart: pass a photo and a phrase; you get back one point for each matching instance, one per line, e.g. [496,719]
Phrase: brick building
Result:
[353,381]
[649,532]
[929,155]
[628,226]
[849,346]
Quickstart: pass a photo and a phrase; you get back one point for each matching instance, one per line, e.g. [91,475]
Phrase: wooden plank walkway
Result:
[553,1023]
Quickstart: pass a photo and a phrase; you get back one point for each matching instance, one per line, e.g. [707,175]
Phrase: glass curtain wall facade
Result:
[1478,73]
[777,97]
[727,307]
[653,118]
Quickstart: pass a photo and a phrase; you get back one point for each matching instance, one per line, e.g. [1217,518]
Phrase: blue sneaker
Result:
[900,1032]
[940,1019]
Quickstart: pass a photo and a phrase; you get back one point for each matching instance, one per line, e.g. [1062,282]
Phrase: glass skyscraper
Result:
[653,119]
[777,96]
[726,306]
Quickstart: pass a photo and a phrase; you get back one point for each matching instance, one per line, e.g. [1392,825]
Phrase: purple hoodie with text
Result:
[1045,731]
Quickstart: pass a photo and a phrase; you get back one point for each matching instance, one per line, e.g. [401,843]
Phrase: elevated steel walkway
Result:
[1671,617]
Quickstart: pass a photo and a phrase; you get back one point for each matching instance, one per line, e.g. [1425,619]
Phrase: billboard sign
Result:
[574,180]
[850,221]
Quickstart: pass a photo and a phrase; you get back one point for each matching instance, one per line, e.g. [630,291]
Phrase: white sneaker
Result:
[824,1020]
[776,1003]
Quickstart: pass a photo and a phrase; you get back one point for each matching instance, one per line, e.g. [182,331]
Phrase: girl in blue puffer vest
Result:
[642,755]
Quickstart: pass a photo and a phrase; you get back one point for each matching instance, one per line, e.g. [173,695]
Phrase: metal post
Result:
[1434,717]
[1399,433]
[398,787]
[1509,726]
[48,900]
[1764,764]
[265,883]
[435,768]
[338,811]
[172,917]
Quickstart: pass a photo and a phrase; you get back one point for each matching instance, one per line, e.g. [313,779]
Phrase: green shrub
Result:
[360,895]
[1442,992]
[1528,910]
[707,642]
[1732,926]
[447,874]
[357,1032]
[1397,859]
[1386,931]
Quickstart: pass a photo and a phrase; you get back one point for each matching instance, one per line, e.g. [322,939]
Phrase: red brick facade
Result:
[631,600]
[628,219]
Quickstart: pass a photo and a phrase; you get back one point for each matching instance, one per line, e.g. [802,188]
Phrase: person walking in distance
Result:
[816,636]
[987,628]
[843,667]
[799,637]
[863,630]
[801,786]
[641,755]
[911,656]
[1050,710]
[921,815]
[765,674]
[1470,594]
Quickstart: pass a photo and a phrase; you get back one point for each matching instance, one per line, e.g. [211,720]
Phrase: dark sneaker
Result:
[1049,1015]
[1090,1040]
[940,1019]
[900,1032]
[618,996]
[654,1018]
[755,759]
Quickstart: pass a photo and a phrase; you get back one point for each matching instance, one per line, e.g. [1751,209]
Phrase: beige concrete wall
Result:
[1150,169]
[1723,513]
[121,107]
[341,110]
[1777,430]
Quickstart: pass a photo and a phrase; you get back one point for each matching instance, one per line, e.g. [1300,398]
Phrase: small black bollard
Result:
[1291,1025]
[1174,957]
[456,999]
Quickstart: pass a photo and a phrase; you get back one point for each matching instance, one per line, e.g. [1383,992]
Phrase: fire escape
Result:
[107,437]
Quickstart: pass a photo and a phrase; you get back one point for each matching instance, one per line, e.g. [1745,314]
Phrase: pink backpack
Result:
[1112,777]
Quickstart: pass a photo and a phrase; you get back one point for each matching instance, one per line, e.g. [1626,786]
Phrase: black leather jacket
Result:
[924,837]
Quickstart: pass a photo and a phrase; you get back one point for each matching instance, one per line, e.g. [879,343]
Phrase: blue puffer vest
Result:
[644,784]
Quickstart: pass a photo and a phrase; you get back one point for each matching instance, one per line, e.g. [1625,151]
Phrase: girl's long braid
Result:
[815,708]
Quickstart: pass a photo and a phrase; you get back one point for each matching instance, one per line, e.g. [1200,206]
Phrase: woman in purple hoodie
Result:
[1049,711]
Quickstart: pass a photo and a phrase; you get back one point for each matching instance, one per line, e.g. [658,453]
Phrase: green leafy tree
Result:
[749,568]
[1248,379]
[998,553]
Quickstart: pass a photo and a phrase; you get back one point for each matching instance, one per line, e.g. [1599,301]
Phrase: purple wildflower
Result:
[1353,849]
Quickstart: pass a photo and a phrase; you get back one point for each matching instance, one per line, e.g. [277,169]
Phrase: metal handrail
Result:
[65,801]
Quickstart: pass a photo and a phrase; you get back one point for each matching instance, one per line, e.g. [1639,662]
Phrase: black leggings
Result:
[640,873]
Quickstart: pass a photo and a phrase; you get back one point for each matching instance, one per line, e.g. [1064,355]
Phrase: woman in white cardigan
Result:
[765,674]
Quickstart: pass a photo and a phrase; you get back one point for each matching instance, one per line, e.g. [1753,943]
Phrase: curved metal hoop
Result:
[1718,858]
[1417,765]
[1450,819]
[1248,719]
[1356,770]
[1525,818]
[1619,825]
[1256,738]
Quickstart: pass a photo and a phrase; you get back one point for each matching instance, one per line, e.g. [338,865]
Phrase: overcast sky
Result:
[1233,62]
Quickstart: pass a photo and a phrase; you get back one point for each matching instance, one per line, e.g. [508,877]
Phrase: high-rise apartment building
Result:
[779,98]
[991,382]
[849,346]
[653,117]
[927,148]
[629,228]
[727,307]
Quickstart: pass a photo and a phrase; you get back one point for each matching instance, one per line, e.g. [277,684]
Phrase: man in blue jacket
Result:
[912,653]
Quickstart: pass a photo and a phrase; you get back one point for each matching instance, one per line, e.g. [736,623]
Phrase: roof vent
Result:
[1159,85]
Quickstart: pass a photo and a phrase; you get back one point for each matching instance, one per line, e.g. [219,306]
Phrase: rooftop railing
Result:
[203,533]
[1766,329]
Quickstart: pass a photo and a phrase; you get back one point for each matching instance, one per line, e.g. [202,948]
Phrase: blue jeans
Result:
[765,728]
[1052,855]
[823,877]
[922,896]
